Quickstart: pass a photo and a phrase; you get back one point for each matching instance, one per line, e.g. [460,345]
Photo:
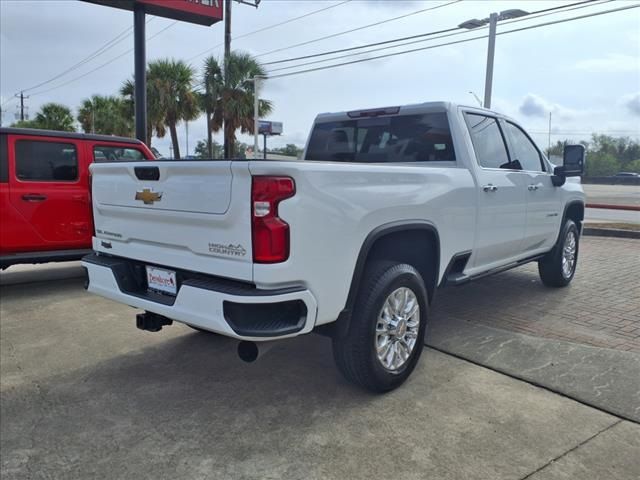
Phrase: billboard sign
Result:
[269,128]
[202,12]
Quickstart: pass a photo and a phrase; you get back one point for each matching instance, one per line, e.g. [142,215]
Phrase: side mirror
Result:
[573,162]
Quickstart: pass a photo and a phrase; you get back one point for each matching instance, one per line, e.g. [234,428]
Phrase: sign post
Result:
[267,129]
[140,72]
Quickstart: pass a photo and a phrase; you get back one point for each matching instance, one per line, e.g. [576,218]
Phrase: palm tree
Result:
[171,83]
[234,106]
[54,116]
[107,115]
[213,83]
[155,118]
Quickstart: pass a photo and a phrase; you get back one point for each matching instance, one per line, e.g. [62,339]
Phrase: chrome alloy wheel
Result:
[569,254]
[397,329]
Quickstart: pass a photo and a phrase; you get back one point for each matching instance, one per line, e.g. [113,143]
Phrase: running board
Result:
[457,279]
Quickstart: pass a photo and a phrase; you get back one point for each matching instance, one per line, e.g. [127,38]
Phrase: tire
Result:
[356,353]
[558,267]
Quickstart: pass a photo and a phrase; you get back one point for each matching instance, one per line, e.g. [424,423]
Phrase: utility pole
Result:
[227,52]
[21,97]
[187,128]
[256,114]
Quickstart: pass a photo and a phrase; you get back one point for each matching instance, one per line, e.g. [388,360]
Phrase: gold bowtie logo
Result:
[148,196]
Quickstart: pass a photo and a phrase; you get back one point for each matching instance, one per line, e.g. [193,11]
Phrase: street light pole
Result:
[488,81]
[492,20]
[256,114]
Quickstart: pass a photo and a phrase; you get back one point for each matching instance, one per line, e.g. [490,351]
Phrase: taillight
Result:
[270,233]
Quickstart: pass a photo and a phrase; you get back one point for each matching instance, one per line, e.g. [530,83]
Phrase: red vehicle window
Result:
[110,153]
[46,161]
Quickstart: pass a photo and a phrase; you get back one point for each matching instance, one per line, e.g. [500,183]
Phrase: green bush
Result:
[601,165]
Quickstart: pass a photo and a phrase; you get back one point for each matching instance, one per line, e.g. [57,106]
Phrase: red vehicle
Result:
[45,203]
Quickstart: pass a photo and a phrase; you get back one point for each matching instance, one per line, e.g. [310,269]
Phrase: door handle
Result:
[490,188]
[533,188]
[34,197]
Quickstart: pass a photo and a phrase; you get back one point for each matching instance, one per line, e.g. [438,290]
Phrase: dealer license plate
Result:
[161,280]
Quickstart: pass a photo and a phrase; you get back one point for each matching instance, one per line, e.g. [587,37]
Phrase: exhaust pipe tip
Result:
[248,351]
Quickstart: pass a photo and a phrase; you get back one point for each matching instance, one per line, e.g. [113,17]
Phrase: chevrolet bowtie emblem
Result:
[148,196]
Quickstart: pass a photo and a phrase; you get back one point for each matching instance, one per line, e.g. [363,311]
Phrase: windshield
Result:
[401,138]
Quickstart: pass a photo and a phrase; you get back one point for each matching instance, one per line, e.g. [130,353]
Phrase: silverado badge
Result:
[148,196]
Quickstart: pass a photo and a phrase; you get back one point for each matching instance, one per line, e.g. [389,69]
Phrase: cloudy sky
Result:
[585,72]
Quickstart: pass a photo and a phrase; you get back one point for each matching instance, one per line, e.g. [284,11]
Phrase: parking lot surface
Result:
[601,307]
[84,394]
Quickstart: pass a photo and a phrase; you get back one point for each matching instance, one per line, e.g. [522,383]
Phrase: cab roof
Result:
[73,135]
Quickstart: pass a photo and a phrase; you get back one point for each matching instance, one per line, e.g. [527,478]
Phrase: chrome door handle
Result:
[533,187]
[490,188]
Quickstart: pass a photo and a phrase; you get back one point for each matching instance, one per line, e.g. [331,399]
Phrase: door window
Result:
[103,153]
[523,149]
[46,161]
[488,141]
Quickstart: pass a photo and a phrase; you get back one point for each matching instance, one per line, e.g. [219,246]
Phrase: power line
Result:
[536,14]
[333,35]
[269,27]
[326,67]
[107,46]
[104,64]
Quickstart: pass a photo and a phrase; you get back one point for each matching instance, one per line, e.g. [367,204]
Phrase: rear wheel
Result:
[387,329]
[559,266]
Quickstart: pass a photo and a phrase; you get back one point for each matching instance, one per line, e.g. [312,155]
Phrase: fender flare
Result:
[341,326]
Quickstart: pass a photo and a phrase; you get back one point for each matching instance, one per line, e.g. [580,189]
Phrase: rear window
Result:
[46,161]
[116,154]
[403,138]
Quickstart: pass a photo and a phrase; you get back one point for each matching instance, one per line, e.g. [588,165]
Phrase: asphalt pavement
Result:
[84,394]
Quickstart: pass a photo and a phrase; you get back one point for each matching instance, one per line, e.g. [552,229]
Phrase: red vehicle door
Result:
[49,194]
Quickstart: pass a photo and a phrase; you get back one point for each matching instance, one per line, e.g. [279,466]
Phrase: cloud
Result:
[632,102]
[614,62]
[535,106]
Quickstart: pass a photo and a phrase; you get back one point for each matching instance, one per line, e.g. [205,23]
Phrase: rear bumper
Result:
[233,309]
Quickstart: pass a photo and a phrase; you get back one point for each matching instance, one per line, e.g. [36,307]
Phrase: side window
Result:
[524,150]
[46,161]
[103,153]
[4,159]
[488,142]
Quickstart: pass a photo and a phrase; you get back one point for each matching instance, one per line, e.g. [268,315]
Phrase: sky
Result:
[586,72]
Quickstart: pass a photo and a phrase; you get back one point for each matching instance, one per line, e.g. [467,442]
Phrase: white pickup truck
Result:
[353,241]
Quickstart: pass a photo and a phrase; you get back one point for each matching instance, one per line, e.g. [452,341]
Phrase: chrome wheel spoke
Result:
[397,329]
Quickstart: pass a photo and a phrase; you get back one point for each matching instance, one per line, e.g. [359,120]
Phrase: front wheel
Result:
[558,267]
[387,329]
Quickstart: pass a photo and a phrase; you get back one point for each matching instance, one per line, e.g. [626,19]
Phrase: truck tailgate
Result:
[166,212]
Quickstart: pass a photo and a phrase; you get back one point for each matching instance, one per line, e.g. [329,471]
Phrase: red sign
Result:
[202,12]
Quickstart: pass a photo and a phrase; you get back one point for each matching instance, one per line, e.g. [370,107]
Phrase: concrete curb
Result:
[610,232]
[608,206]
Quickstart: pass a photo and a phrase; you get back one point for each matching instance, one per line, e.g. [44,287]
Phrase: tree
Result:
[202,149]
[235,101]
[601,164]
[290,150]
[107,115]
[213,84]
[52,116]
[155,118]
[170,87]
